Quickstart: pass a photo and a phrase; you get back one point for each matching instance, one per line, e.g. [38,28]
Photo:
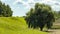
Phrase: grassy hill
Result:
[16,25]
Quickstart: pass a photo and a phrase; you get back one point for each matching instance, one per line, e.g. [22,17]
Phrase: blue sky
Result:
[21,7]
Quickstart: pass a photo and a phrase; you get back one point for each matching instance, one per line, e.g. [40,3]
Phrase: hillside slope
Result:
[16,25]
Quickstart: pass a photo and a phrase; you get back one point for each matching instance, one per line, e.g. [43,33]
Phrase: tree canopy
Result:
[5,10]
[39,16]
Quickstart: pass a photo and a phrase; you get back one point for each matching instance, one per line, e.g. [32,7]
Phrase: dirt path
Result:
[54,31]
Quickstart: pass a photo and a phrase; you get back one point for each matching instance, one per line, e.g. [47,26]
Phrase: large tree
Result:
[40,16]
[5,10]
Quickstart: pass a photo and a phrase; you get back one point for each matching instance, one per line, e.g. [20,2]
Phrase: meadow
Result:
[16,25]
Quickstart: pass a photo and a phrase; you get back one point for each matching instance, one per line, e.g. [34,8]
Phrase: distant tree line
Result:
[39,16]
[57,14]
[5,10]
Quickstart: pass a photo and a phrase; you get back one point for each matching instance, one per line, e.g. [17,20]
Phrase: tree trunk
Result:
[41,29]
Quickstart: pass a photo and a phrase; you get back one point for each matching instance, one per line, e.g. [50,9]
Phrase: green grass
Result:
[16,25]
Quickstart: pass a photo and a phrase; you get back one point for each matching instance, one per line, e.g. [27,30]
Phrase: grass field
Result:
[16,25]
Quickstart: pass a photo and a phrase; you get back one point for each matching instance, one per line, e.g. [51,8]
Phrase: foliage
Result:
[56,14]
[40,16]
[5,10]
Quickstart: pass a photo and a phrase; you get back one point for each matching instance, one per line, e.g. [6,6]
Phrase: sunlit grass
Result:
[16,25]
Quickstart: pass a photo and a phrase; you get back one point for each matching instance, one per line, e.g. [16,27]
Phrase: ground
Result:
[54,31]
[17,25]
[56,28]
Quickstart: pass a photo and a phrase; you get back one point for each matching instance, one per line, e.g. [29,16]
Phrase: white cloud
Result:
[30,3]
[56,7]
[16,1]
